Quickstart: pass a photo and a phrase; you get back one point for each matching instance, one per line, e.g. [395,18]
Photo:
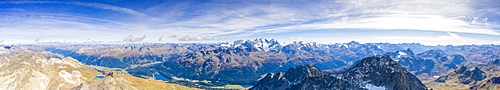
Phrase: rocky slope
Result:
[114,80]
[28,69]
[369,73]
[477,77]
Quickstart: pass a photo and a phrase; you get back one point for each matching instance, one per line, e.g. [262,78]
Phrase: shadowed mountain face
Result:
[283,80]
[478,77]
[369,73]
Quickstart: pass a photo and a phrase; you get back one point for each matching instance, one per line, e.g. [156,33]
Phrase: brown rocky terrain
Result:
[27,69]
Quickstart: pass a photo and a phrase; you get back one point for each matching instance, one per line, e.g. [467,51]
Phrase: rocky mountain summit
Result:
[369,73]
[32,70]
[259,44]
[284,80]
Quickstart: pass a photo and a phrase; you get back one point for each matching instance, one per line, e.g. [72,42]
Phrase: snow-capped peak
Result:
[260,44]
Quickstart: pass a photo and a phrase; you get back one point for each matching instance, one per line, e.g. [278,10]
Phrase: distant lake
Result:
[161,77]
[246,86]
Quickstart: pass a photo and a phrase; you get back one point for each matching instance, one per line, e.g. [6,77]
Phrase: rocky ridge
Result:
[369,73]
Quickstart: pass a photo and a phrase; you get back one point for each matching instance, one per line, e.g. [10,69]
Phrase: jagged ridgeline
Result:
[370,73]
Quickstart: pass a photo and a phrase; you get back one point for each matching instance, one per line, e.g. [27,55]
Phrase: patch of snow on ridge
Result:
[70,78]
[402,53]
[373,87]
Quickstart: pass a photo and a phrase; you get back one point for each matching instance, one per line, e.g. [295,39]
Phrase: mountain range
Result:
[123,56]
[253,58]
[244,62]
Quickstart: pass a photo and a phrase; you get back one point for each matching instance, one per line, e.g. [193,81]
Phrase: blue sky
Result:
[430,22]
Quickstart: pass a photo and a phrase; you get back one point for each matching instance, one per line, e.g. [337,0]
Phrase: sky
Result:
[429,22]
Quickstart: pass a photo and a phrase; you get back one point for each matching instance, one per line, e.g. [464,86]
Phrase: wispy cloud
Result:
[448,39]
[451,16]
[194,38]
[283,16]
[197,20]
[95,5]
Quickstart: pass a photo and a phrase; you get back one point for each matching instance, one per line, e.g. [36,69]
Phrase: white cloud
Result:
[194,38]
[450,36]
[131,38]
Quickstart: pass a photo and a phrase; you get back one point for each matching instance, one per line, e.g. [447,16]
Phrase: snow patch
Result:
[70,78]
[373,87]
[402,53]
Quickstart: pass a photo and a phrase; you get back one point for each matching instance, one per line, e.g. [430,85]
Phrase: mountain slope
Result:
[25,69]
[30,70]
[481,76]
[369,73]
